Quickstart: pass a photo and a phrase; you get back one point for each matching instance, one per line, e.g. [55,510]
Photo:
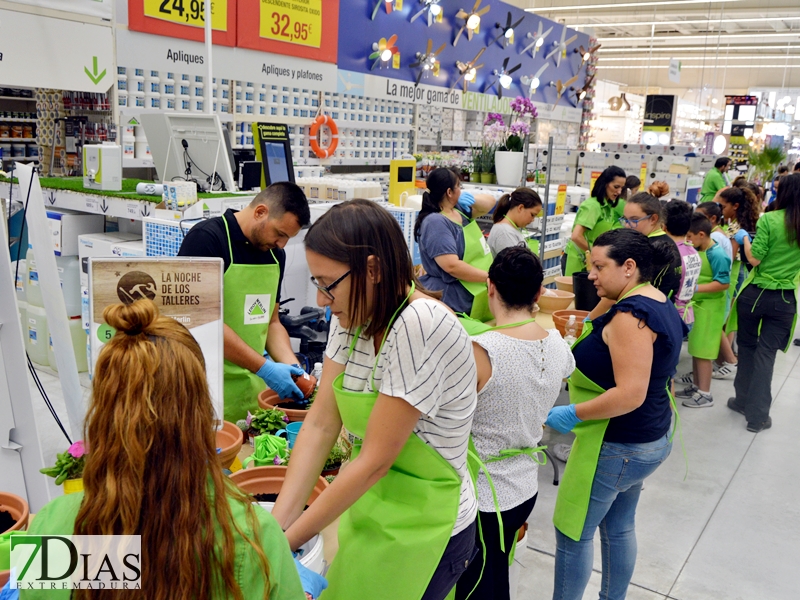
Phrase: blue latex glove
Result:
[7,593]
[278,377]
[313,583]
[740,236]
[562,418]
[466,200]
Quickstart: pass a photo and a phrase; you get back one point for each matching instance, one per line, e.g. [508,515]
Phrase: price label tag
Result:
[643,176]
[133,209]
[295,22]
[561,199]
[188,12]
[92,205]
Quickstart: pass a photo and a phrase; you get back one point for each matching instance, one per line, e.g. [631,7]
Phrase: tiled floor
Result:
[729,529]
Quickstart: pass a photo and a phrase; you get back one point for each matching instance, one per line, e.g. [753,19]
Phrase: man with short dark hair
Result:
[250,242]
[715,179]
[797,168]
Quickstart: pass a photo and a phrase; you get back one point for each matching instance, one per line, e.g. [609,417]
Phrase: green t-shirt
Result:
[780,258]
[713,183]
[58,518]
[591,212]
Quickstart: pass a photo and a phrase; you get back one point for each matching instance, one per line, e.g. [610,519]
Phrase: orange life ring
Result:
[324,152]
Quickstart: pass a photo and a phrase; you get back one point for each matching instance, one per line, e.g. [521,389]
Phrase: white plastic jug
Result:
[23,317]
[19,269]
[69,272]
[37,334]
[79,337]
[33,293]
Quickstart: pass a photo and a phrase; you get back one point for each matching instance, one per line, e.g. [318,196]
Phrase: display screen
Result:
[405,174]
[276,162]
[726,127]
[729,112]
[747,113]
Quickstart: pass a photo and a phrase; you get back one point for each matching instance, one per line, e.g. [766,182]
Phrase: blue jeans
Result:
[621,469]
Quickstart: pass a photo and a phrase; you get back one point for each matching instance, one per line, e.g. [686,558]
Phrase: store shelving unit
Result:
[17,104]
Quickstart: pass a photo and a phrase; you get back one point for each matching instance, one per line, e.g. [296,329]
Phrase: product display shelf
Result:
[20,98]
[17,140]
[68,193]
[138,163]
[15,120]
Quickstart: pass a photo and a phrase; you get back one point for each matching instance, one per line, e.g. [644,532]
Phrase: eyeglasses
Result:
[326,290]
[631,222]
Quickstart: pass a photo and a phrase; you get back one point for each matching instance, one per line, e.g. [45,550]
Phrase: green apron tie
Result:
[478,255]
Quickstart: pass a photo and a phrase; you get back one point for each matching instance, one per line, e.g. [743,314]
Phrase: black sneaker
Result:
[735,407]
[757,427]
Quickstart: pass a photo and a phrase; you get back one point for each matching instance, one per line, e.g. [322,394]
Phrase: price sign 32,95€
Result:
[292,21]
[188,12]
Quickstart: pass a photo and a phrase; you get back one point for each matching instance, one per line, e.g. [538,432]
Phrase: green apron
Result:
[392,539]
[709,316]
[733,318]
[477,254]
[530,240]
[575,489]
[249,298]
[576,258]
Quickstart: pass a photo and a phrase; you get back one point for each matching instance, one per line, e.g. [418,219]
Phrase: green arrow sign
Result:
[93,75]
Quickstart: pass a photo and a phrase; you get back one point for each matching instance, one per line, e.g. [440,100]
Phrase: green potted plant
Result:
[69,468]
[265,420]
[477,164]
[763,164]
[511,138]
[336,457]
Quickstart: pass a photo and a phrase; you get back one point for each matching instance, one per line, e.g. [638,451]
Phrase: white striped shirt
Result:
[427,361]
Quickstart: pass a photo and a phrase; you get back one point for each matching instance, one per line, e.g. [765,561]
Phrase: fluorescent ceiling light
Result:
[689,22]
[715,59]
[712,35]
[685,67]
[737,48]
[624,5]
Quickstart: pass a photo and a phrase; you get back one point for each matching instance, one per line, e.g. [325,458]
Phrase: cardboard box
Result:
[66,226]
[102,245]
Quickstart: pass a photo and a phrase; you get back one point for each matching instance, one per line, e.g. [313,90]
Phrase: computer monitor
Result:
[273,149]
[189,141]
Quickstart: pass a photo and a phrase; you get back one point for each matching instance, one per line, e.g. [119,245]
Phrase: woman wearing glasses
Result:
[644,213]
[453,251]
[400,375]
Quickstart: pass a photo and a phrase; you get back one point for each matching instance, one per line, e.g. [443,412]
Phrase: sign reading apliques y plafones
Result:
[187,289]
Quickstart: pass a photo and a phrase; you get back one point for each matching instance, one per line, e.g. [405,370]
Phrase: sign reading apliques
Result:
[187,289]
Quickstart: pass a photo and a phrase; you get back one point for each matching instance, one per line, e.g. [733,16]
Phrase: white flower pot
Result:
[508,166]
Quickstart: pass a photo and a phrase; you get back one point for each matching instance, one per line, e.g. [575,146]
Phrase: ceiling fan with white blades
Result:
[586,54]
[560,48]
[433,9]
[538,40]
[533,82]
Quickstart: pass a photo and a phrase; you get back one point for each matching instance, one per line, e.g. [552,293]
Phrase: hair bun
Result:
[659,189]
[131,319]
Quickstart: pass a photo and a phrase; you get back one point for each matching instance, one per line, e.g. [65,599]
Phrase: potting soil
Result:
[295,405]
[6,521]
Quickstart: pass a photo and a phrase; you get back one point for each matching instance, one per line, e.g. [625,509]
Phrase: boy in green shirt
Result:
[709,311]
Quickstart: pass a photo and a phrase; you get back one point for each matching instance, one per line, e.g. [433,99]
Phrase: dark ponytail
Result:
[711,209]
[746,203]
[789,200]
[438,182]
[624,244]
[522,196]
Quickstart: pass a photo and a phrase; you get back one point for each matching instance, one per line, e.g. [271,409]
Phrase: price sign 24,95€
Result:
[292,21]
[188,12]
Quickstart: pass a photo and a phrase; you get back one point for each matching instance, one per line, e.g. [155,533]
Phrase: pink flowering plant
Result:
[69,464]
[523,113]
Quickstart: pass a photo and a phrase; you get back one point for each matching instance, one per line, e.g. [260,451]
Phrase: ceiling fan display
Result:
[560,48]
[426,61]
[431,7]
[533,82]
[502,78]
[468,71]
[538,40]
[472,20]
[506,35]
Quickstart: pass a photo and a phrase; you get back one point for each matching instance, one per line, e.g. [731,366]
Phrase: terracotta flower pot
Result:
[564,284]
[268,399]
[561,318]
[560,301]
[269,480]
[229,440]
[4,577]
[17,508]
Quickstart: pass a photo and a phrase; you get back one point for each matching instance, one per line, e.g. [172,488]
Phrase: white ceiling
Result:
[724,46]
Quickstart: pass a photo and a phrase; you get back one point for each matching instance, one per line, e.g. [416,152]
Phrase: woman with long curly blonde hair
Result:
[152,470]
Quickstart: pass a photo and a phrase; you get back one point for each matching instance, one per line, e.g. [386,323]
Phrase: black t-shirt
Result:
[668,277]
[209,239]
